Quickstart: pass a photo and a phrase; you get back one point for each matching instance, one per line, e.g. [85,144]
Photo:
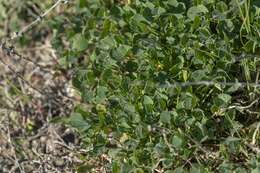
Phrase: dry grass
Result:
[32,93]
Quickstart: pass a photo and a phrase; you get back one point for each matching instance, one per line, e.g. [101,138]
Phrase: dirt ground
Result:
[32,93]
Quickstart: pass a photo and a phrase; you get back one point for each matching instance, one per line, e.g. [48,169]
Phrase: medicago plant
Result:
[165,85]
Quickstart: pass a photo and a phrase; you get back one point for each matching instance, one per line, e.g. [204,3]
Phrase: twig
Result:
[245,56]
[21,77]
[40,133]
[253,148]
[38,19]
[12,147]
[257,77]
[255,134]
[10,51]
[244,107]
[201,83]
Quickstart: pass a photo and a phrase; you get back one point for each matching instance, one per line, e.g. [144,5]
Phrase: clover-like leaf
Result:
[196,10]
[79,43]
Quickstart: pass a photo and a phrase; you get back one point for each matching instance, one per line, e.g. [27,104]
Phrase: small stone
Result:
[28,168]
[59,162]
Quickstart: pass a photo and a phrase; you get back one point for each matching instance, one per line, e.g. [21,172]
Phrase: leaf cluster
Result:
[125,56]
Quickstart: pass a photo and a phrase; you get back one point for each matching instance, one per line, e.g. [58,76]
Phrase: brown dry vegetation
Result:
[32,92]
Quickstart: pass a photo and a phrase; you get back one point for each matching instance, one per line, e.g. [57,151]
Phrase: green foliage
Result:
[125,54]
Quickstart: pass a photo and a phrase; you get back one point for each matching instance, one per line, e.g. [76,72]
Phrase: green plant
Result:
[164,83]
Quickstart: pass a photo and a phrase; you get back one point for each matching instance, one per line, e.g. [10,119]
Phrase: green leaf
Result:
[139,18]
[129,108]
[77,121]
[185,75]
[196,23]
[179,170]
[177,141]
[195,169]
[107,43]
[116,167]
[79,42]
[101,93]
[233,88]
[148,100]
[187,101]
[196,10]
[173,3]
[256,170]
[134,51]
[106,27]
[223,99]
[84,168]
[121,52]
[199,75]
[165,117]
